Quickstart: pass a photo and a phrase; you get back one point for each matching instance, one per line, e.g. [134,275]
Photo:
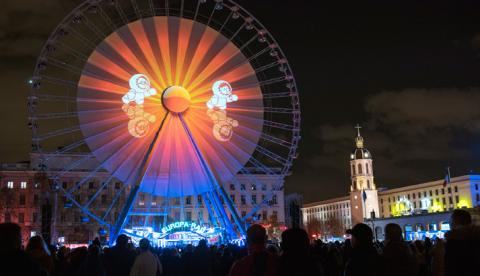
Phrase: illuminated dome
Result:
[360,151]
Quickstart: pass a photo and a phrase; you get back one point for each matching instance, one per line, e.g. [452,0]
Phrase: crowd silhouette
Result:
[458,254]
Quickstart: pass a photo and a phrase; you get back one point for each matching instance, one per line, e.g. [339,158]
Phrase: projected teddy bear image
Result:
[222,124]
[140,120]
[140,89]
[222,94]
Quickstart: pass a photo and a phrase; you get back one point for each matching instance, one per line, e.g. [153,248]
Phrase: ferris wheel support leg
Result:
[134,192]
[218,190]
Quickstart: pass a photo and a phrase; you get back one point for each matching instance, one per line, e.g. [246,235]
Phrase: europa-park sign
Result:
[187,226]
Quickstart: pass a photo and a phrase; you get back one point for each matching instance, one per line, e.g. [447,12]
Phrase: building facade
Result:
[366,203]
[30,198]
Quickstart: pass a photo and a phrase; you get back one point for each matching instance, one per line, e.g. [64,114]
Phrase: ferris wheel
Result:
[167,98]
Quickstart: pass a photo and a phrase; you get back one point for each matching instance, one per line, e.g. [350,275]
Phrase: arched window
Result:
[360,169]
[353,169]
[368,183]
[366,168]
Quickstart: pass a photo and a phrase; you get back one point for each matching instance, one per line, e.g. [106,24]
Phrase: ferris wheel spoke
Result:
[74,52]
[107,18]
[136,9]
[98,192]
[276,95]
[276,140]
[56,98]
[114,201]
[63,115]
[121,12]
[225,22]
[86,211]
[79,143]
[65,149]
[94,71]
[182,6]
[210,16]
[267,66]
[278,125]
[196,10]
[84,40]
[84,159]
[55,133]
[106,160]
[151,6]
[98,33]
[58,81]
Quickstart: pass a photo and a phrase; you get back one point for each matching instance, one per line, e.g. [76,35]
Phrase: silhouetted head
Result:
[256,235]
[144,244]
[122,240]
[93,250]
[362,236]
[37,243]
[460,218]
[295,240]
[10,237]
[202,244]
[393,232]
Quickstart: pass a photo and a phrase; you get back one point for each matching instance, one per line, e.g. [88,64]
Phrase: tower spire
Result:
[358,127]
[359,138]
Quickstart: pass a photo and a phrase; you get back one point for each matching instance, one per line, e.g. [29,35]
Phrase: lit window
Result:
[23,185]
[10,184]
[141,203]
[356,207]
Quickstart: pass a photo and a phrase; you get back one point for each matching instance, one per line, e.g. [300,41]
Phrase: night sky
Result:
[409,73]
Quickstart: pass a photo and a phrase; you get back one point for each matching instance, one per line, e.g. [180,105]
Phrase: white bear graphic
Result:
[222,124]
[139,89]
[222,94]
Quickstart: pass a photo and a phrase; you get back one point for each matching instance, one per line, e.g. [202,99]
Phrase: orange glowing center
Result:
[176,99]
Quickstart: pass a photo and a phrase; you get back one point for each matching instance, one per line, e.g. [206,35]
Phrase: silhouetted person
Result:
[226,261]
[119,259]
[172,264]
[202,259]
[364,260]
[258,261]
[146,263]
[397,258]
[462,249]
[296,258]
[92,266]
[13,260]
[38,252]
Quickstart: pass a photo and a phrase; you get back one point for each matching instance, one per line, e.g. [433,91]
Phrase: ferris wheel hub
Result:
[176,99]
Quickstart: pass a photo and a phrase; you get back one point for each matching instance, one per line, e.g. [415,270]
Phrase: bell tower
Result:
[363,192]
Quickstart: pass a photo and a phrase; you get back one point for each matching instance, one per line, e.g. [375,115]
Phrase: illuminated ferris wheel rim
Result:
[286,140]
